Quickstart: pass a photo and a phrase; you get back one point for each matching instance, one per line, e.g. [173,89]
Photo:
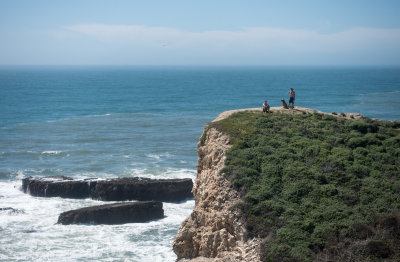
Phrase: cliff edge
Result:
[214,231]
[313,186]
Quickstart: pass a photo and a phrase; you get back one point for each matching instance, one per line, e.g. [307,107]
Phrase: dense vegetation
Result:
[317,187]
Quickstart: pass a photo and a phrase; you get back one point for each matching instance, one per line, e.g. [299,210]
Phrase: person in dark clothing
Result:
[292,98]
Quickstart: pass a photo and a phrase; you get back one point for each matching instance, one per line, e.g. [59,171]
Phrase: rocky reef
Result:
[58,186]
[121,189]
[118,189]
[11,210]
[110,214]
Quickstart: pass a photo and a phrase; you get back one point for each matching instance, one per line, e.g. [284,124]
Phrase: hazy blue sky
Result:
[202,32]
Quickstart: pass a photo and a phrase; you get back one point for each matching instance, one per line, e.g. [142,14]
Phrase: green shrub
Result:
[363,126]
[310,178]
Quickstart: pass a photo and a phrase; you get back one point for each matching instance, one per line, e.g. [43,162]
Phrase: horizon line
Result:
[199,65]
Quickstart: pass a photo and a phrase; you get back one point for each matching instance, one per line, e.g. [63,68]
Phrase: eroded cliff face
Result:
[215,230]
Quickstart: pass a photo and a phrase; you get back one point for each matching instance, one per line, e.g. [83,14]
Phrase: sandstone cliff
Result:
[215,230]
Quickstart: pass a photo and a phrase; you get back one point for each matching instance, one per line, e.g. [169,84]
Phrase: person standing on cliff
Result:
[292,98]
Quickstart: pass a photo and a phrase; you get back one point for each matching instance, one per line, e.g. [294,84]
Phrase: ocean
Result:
[108,122]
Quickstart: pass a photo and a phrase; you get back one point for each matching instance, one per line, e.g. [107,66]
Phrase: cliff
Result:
[214,231]
[299,186]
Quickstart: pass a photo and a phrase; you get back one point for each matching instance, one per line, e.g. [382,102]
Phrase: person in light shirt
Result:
[266,107]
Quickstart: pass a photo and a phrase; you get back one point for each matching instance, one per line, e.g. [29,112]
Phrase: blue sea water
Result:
[139,121]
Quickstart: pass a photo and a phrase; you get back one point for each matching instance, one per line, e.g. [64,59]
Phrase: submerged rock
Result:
[29,231]
[118,189]
[11,210]
[119,213]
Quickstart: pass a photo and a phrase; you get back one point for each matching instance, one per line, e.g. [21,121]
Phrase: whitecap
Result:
[20,174]
[154,156]
[180,173]
[137,172]
[94,175]
[31,152]
[51,152]
[169,173]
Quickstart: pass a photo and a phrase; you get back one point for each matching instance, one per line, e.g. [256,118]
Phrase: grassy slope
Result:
[313,181]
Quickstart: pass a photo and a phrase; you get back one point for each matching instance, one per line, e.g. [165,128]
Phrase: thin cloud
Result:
[261,35]
[356,45]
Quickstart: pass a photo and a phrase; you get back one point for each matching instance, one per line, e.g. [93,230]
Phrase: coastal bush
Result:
[310,180]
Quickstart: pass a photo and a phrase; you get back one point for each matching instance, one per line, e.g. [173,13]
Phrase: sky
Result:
[206,32]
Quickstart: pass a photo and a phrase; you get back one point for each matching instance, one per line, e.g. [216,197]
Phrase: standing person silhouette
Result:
[292,98]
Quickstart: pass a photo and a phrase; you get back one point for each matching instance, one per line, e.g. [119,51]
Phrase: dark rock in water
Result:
[29,231]
[58,186]
[119,189]
[118,213]
[6,208]
[11,210]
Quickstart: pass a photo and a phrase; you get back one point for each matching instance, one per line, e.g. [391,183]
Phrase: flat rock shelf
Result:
[110,214]
[118,189]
